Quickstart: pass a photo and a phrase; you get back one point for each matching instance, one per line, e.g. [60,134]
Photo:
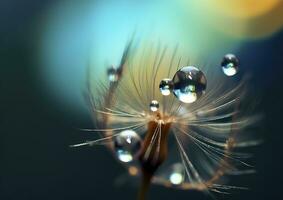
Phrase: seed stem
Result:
[144,187]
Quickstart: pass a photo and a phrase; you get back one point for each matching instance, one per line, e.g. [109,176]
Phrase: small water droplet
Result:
[154,105]
[127,143]
[177,174]
[166,86]
[112,74]
[189,84]
[230,64]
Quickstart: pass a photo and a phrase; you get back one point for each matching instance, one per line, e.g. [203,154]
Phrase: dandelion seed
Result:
[201,123]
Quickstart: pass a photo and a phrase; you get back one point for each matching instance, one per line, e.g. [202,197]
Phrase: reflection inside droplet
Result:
[230,64]
[127,144]
[189,84]
[124,156]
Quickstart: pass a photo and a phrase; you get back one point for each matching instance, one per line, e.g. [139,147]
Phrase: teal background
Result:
[40,113]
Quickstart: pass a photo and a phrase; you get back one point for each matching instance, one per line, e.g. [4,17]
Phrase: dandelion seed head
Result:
[203,127]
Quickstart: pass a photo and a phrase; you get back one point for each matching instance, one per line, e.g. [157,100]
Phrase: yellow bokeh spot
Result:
[240,18]
[133,171]
[242,8]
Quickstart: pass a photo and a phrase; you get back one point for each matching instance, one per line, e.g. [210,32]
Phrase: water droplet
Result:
[166,86]
[230,64]
[154,105]
[127,144]
[177,174]
[189,84]
[112,74]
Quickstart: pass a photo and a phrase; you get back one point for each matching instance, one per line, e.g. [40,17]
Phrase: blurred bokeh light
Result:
[74,34]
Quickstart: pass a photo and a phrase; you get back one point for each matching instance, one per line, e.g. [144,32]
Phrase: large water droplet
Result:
[166,86]
[127,144]
[112,74]
[177,174]
[154,105]
[230,64]
[189,84]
